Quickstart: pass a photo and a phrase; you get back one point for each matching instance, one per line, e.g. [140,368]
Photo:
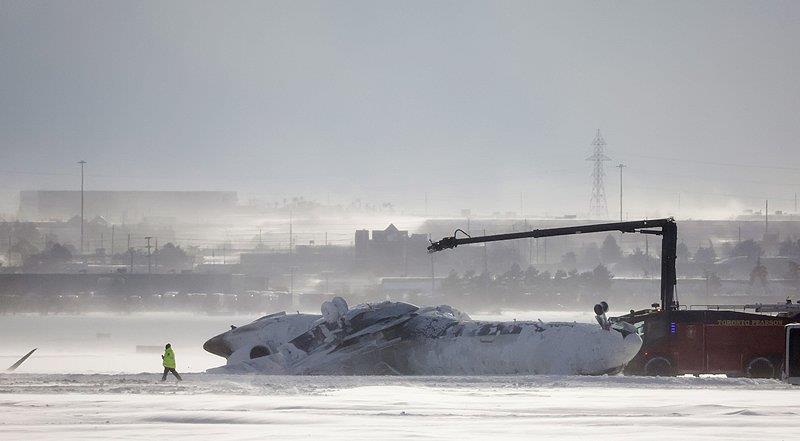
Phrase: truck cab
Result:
[792,361]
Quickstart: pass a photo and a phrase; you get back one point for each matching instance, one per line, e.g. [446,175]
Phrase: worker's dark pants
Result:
[174,372]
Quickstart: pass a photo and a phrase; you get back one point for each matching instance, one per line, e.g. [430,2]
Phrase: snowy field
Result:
[80,387]
[209,407]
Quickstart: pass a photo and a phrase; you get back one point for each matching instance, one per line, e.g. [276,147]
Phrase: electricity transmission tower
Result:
[598,207]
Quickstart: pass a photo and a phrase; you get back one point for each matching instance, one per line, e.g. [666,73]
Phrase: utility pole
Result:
[766,216]
[156,255]
[112,243]
[433,276]
[514,230]
[544,241]
[486,268]
[405,256]
[530,251]
[426,204]
[82,163]
[290,232]
[327,284]
[149,267]
[530,245]
[620,167]
[295,298]
[130,251]
[485,259]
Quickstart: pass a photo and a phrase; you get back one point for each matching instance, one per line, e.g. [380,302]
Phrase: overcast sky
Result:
[475,103]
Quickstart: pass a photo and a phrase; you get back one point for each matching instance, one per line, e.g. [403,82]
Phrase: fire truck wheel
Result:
[658,367]
[760,367]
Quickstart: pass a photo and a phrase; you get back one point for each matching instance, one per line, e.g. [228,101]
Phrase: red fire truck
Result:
[720,339]
[679,340]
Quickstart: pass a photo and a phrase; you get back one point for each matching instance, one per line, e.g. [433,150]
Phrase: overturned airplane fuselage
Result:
[400,338]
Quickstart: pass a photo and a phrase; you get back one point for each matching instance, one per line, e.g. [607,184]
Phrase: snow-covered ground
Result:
[213,407]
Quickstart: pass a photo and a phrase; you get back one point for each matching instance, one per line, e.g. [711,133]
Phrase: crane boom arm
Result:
[668,233]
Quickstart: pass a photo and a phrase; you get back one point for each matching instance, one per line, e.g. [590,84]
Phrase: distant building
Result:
[125,206]
[391,251]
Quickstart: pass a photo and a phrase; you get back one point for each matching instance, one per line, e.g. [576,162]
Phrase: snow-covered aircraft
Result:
[400,338]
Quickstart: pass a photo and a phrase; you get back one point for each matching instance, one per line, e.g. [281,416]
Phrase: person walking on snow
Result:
[169,363]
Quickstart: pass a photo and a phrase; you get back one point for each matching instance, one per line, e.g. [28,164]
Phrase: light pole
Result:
[295,297]
[82,163]
[149,267]
[620,167]
[433,277]
[327,274]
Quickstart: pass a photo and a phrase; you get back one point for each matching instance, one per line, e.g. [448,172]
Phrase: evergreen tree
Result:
[610,252]
[682,253]
[748,248]
[705,255]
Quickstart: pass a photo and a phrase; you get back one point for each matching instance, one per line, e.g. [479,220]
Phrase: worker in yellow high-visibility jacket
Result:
[169,363]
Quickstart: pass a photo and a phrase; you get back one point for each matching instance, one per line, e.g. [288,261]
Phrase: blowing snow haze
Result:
[388,101]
